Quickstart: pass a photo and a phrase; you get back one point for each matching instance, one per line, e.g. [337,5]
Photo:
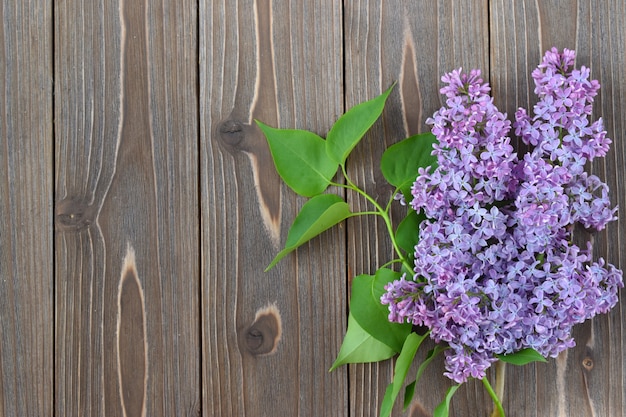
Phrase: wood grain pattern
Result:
[132,365]
[126,152]
[131,282]
[254,65]
[586,380]
[26,268]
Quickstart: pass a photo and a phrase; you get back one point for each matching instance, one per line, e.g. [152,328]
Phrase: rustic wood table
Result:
[139,204]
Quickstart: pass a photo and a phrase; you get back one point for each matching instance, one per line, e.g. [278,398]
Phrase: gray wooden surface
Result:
[139,205]
[26,201]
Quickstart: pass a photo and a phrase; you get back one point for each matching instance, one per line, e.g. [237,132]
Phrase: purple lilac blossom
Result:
[496,270]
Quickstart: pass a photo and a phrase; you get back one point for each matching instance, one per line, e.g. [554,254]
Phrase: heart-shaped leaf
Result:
[351,127]
[360,347]
[317,215]
[403,364]
[522,357]
[300,158]
[401,161]
[367,310]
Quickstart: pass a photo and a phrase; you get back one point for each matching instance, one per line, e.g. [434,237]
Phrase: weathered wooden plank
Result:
[586,380]
[127,211]
[26,268]
[268,338]
[412,43]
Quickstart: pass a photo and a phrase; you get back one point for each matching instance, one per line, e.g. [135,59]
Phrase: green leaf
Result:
[432,354]
[407,233]
[403,364]
[410,388]
[300,159]
[319,214]
[359,346]
[409,392]
[522,357]
[443,409]
[349,129]
[372,316]
[400,162]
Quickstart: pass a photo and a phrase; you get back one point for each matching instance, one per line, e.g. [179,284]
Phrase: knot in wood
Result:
[263,335]
[254,339]
[73,215]
[588,363]
[232,134]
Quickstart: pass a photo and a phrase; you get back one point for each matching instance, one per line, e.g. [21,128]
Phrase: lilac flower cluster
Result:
[496,270]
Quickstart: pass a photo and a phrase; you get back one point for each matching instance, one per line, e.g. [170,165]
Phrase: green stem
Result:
[392,199]
[498,410]
[394,261]
[365,213]
[380,211]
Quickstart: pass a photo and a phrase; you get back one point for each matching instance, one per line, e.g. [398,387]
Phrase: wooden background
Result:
[139,205]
